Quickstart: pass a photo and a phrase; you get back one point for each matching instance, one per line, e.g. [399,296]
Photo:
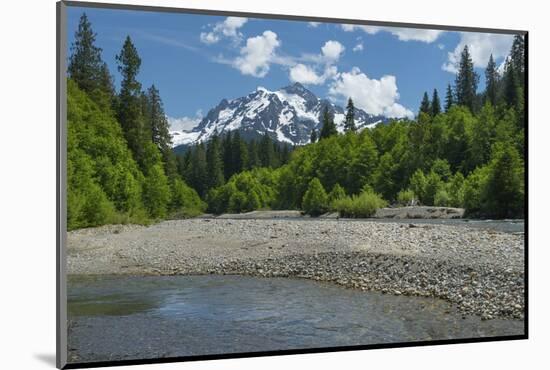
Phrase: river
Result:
[117,318]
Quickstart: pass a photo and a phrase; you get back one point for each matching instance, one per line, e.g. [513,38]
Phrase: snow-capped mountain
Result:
[287,115]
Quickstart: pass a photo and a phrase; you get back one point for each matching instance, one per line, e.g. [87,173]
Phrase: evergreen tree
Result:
[517,56]
[266,152]
[329,128]
[197,171]
[511,85]
[285,155]
[491,81]
[85,64]
[449,98]
[349,124]
[214,164]
[130,107]
[466,81]
[239,153]
[425,106]
[227,148]
[313,136]
[158,126]
[253,155]
[436,104]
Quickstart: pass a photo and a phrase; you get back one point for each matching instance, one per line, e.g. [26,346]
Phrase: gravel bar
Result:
[480,271]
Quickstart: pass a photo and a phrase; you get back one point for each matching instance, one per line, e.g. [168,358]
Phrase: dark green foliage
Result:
[329,128]
[313,136]
[449,98]
[266,152]
[491,81]
[504,193]
[425,106]
[214,163]
[466,81]
[239,153]
[130,103]
[85,65]
[436,104]
[316,201]
[349,123]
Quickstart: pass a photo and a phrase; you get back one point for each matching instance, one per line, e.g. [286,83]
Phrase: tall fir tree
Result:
[491,81]
[266,151]
[214,163]
[349,124]
[197,171]
[329,128]
[157,125]
[449,98]
[85,64]
[130,107]
[517,56]
[436,104]
[227,149]
[425,105]
[239,153]
[511,85]
[253,155]
[466,81]
[313,136]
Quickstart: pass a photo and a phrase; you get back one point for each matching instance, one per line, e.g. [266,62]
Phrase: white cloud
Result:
[258,54]
[184,123]
[403,34]
[228,28]
[358,47]
[481,46]
[332,50]
[313,24]
[441,46]
[307,75]
[304,74]
[371,95]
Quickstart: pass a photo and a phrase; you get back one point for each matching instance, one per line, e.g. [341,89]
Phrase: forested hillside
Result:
[467,151]
[120,167]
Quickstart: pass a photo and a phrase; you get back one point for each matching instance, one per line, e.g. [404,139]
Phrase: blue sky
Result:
[197,60]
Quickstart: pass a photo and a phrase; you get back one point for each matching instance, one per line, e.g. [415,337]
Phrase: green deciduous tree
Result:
[315,201]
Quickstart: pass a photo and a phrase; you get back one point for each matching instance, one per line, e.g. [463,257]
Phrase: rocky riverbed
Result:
[480,271]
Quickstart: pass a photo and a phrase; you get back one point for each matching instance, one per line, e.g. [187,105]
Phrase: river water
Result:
[116,318]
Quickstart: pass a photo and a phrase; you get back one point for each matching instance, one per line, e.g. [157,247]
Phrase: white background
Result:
[27,182]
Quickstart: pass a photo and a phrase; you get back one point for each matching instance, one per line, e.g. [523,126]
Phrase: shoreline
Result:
[479,271]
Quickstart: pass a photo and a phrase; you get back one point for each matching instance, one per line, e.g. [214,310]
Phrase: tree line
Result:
[120,164]
[208,165]
[468,153]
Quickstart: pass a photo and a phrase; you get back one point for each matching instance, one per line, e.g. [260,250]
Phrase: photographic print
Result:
[252,184]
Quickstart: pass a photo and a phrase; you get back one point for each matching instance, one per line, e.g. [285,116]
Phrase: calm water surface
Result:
[114,318]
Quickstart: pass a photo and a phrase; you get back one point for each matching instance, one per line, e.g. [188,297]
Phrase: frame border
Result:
[61,158]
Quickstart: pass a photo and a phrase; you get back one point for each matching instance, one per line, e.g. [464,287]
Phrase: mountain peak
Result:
[287,115]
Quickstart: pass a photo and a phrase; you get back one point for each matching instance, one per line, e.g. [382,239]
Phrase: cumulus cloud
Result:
[322,67]
[371,95]
[228,28]
[184,123]
[313,24]
[358,47]
[308,75]
[403,34]
[257,55]
[332,50]
[481,46]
